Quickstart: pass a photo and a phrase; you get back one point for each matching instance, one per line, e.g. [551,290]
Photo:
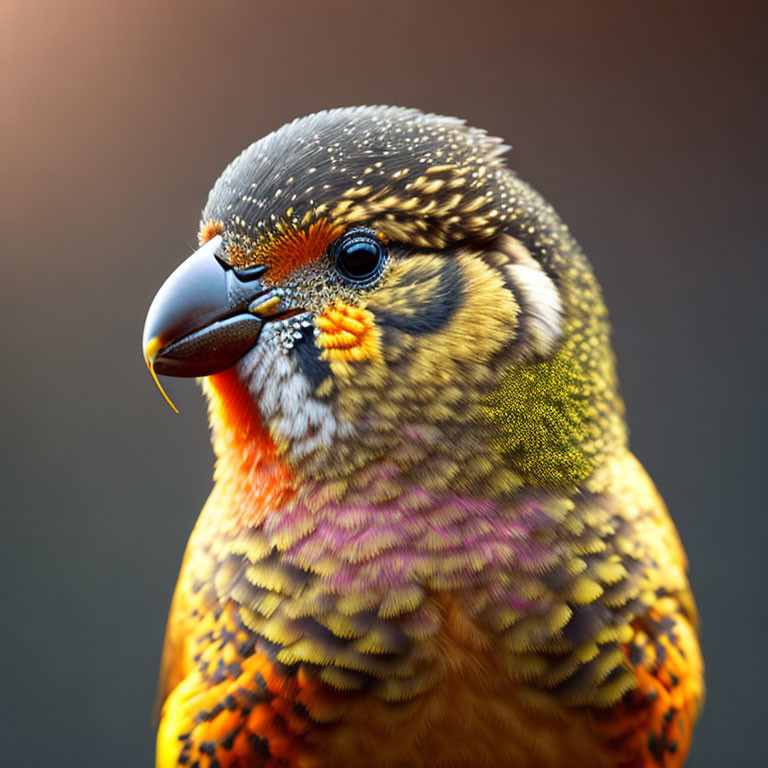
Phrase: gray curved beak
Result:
[206,315]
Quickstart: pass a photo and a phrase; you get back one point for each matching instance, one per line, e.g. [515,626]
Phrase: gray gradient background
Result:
[643,123]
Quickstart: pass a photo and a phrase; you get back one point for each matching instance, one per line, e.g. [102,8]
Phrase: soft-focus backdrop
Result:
[644,123]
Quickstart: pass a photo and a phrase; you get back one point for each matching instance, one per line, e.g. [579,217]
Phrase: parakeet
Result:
[428,543]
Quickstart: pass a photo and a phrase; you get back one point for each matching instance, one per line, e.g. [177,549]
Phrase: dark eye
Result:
[359,256]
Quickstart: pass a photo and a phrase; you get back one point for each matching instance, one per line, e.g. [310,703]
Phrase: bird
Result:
[428,542]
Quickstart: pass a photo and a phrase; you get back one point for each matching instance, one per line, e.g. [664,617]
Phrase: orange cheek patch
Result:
[286,250]
[347,334]
[209,229]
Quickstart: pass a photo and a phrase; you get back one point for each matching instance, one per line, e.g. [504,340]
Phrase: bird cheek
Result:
[347,335]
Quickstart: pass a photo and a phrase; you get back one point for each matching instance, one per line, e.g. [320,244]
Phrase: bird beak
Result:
[206,316]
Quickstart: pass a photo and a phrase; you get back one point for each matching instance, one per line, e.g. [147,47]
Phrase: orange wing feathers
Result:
[234,708]
[655,722]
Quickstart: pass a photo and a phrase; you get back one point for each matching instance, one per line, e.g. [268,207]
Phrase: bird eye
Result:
[359,257]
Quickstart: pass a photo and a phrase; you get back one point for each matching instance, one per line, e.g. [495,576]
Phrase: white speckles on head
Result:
[379,157]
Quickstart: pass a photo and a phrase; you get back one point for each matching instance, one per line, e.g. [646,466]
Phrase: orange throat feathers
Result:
[248,469]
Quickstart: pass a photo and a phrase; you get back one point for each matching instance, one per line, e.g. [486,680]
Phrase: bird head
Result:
[387,290]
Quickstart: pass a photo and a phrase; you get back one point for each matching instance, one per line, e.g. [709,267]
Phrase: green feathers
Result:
[540,412]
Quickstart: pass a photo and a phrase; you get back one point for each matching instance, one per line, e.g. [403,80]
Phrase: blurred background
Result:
[643,123]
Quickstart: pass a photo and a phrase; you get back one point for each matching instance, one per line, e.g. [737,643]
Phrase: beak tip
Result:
[151,345]
[151,348]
